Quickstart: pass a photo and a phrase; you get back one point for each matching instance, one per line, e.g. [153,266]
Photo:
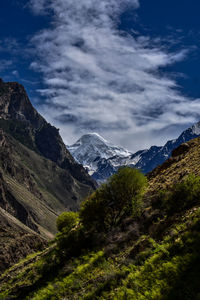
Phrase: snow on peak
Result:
[196,129]
[91,147]
[94,143]
[102,159]
[91,138]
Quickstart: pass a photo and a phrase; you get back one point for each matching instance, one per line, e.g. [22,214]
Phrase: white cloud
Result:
[101,79]
[15,73]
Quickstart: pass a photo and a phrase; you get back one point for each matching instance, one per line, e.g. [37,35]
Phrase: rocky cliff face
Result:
[15,105]
[39,179]
[40,135]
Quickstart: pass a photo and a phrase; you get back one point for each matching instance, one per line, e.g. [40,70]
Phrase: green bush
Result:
[119,197]
[94,211]
[66,221]
[72,243]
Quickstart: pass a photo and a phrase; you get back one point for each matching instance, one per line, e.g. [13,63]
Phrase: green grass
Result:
[152,257]
[155,273]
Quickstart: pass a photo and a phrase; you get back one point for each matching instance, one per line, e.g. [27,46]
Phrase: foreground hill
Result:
[149,255]
[39,178]
[184,160]
[102,159]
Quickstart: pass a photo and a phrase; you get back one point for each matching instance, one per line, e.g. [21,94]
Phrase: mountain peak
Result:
[195,129]
[31,129]
[15,104]
[91,138]
[102,158]
[91,148]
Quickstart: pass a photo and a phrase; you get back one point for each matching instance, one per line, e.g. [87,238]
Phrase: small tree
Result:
[120,196]
[126,189]
[66,221]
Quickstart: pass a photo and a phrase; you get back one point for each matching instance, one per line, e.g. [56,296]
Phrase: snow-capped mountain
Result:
[92,149]
[102,159]
[157,155]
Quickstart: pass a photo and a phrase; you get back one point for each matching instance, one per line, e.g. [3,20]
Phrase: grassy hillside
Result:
[151,251]
[142,269]
[185,160]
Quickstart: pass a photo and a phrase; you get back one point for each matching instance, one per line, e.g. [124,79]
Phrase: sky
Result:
[126,69]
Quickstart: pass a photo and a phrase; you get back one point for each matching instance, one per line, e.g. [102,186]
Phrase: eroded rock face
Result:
[15,104]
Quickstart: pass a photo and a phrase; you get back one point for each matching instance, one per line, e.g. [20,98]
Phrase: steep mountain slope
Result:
[39,178]
[17,240]
[24,123]
[102,159]
[184,160]
[42,189]
[151,256]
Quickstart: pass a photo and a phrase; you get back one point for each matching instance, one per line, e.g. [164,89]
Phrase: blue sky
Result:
[128,70]
[177,22]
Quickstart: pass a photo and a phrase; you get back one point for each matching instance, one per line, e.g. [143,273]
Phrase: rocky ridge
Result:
[16,109]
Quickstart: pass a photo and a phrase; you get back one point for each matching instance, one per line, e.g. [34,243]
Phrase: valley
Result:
[134,237]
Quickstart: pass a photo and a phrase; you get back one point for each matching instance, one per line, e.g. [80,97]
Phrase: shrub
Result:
[120,196]
[66,221]
[126,188]
[73,242]
[94,211]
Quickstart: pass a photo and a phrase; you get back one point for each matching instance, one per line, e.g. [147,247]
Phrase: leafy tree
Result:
[66,221]
[125,190]
[120,196]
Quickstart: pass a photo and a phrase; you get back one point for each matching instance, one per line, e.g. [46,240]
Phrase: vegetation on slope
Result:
[150,251]
[120,197]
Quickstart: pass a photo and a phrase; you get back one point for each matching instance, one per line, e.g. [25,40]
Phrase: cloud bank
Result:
[98,78]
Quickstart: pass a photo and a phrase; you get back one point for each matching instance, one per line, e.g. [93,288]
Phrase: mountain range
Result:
[102,159]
